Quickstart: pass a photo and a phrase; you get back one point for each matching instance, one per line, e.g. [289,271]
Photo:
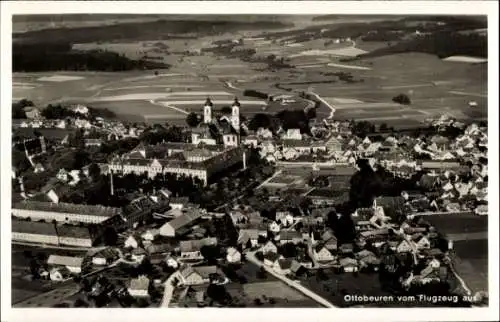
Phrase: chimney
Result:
[112,192]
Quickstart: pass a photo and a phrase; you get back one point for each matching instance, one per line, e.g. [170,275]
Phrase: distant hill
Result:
[146,30]
[443,44]
[339,17]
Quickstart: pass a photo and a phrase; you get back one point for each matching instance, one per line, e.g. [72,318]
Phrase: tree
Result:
[226,110]
[402,99]
[383,127]
[192,119]
[94,172]
[218,293]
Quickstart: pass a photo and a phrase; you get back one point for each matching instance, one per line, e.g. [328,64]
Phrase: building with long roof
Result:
[63,212]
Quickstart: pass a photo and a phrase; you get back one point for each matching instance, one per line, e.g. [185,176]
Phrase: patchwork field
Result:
[433,85]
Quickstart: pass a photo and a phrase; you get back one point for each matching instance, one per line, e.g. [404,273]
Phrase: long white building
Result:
[63,212]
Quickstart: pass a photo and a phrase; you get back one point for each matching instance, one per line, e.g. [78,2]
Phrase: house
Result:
[290,236]
[171,262]
[58,274]
[297,268]
[62,175]
[103,257]
[179,225]
[285,218]
[346,248]
[274,227]
[131,242]
[179,202]
[233,255]
[93,142]
[422,242]
[150,234]
[75,236]
[248,235]
[191,250]
[139,287]
[251,140]
[404,246]
[269,247]
[283,266]
[327,235]
[292,134]
[34,232]
[32,112]
[271,258]
[322,254]
[349,264]
[196,275]
[74,264]
[138,254]
[331,244]
[368,259]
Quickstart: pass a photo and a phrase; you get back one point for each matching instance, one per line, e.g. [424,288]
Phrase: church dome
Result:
[208,102]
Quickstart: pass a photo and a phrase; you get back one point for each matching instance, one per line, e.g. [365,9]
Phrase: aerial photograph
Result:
[249,161]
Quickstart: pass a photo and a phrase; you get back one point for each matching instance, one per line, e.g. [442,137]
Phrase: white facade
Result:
[72,241]
[230,139]
[37,215]
[35,238]
[323,255]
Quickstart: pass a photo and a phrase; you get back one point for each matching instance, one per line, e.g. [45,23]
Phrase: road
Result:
[332,109]
[250,256]
[169,290]
[165,104]
[277,173]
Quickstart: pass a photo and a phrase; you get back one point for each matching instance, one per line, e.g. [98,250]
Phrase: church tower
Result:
[235,114]
[207,111]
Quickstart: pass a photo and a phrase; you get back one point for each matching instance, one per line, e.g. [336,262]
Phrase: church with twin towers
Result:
[218,130]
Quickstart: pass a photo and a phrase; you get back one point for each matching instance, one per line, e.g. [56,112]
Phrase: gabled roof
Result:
[67,208]
[285,263]
[196,245]
[347,261]
[73,231]
[65,260]
[140,283]
[33,227]
[205,271]
[185,219]
[289,234]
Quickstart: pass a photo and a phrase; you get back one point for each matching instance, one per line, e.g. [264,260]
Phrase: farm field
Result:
[471,263]
[433,85]
[470,254]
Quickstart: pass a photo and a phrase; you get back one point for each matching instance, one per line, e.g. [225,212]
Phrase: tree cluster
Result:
[18,108]
[402,99]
